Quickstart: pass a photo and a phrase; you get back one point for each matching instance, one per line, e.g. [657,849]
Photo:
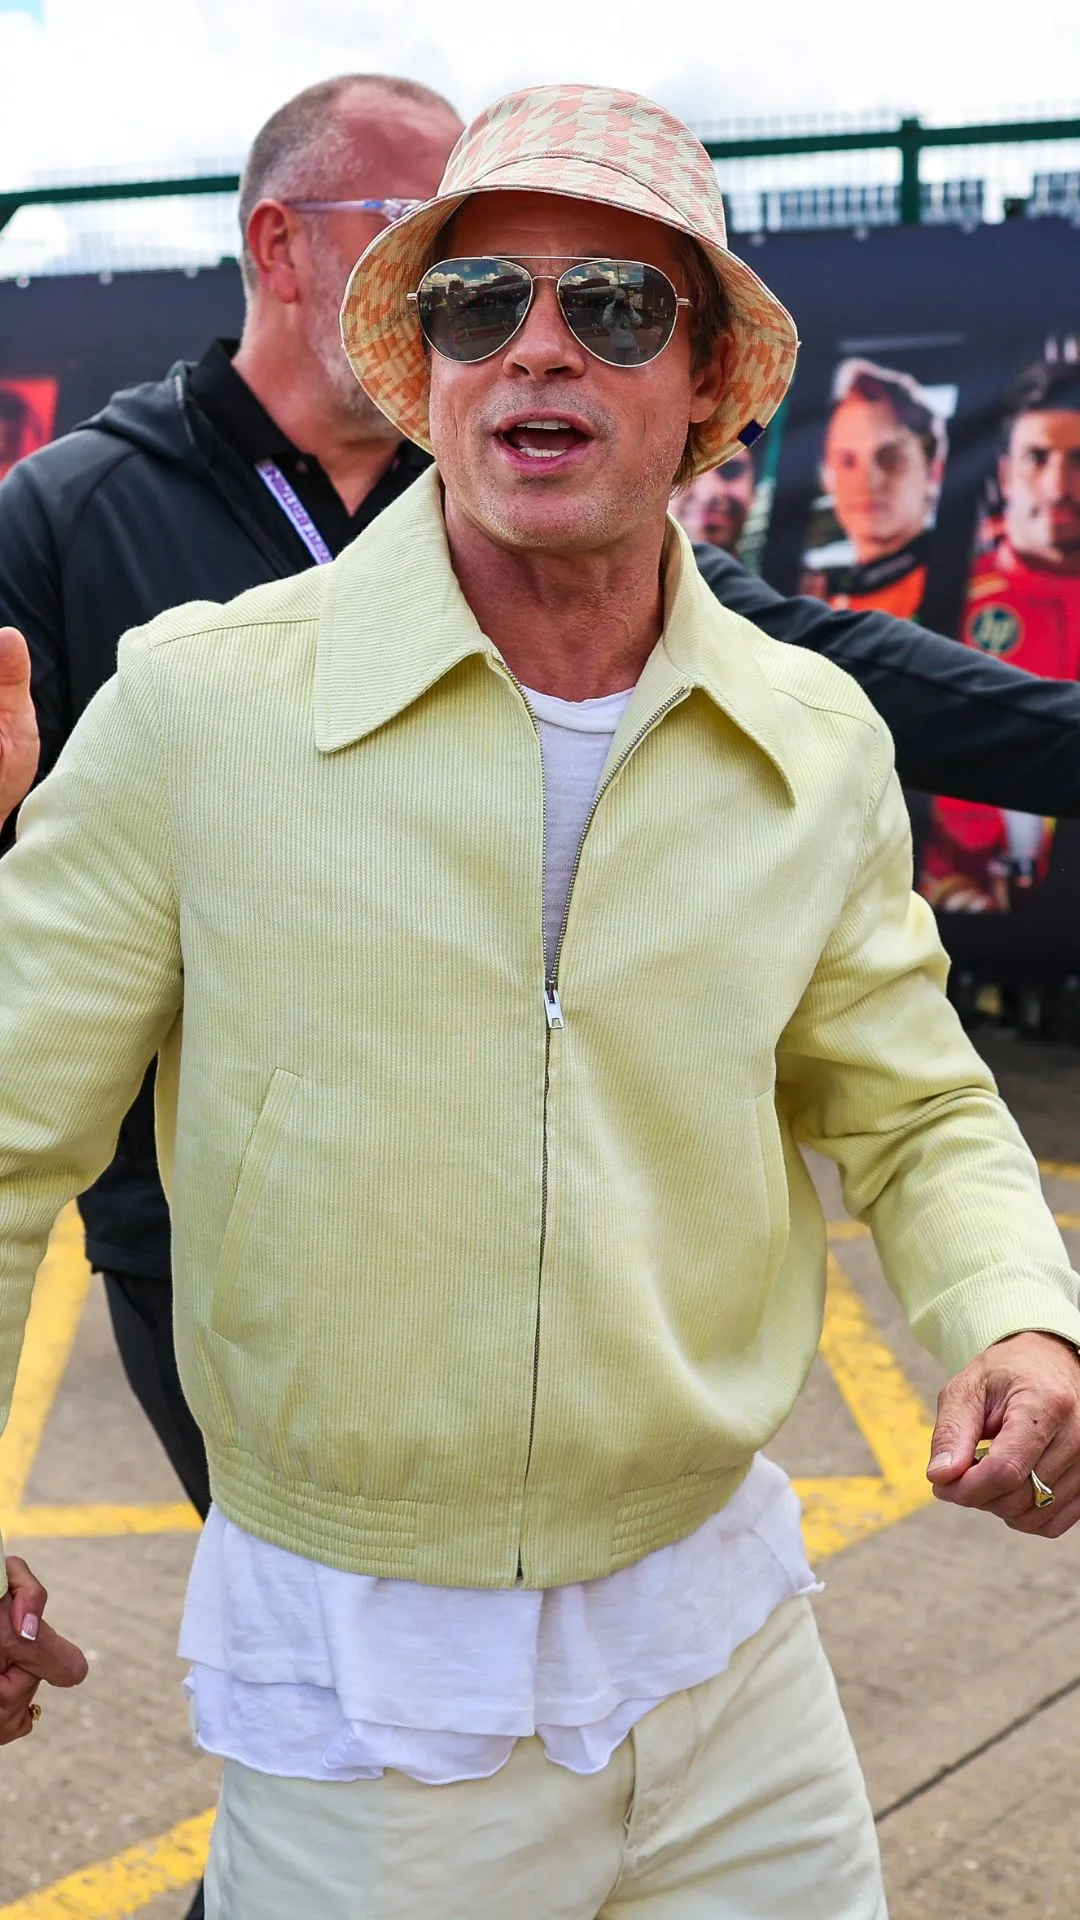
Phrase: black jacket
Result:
[150,505]
[962,722]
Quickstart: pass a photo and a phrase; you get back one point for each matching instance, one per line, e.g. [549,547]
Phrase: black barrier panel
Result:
[884,483]
[90,337]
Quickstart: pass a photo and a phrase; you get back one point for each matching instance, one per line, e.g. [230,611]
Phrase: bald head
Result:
[358,136]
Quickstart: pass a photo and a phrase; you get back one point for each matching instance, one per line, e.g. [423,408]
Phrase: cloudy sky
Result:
[88,87]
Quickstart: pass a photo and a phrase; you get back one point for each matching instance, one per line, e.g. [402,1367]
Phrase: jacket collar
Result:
[394,621]
[710,647]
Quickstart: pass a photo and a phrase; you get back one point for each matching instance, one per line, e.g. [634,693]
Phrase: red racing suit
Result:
[1029,616]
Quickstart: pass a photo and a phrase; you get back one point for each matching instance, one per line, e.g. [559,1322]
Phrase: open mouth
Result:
[544,439]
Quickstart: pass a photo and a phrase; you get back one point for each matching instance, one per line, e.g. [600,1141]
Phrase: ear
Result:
[272,233]
[707,385]
[1003,475]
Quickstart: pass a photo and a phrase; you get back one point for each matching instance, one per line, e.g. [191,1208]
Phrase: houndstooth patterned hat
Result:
[590,143]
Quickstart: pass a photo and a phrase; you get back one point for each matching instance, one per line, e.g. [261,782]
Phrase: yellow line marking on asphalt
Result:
[889,1414]
[112,1889]
[60,1291]
[1060,1169]
[104,1522]
[840,1230]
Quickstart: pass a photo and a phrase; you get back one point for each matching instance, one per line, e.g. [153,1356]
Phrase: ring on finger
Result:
[35,1714]
[1044,1495]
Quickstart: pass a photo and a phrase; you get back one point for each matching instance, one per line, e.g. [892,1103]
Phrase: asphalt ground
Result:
[956,1643]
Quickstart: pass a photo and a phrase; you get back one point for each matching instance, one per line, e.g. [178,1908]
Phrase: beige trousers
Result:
[741,1799]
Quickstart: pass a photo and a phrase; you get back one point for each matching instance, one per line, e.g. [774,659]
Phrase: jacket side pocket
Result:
[261,1148]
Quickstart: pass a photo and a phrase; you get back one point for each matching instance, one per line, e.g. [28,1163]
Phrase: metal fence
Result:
[775,177]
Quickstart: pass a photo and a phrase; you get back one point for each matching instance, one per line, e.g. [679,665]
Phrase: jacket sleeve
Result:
[875,1071]
[963,723]
[91,973]
[31,598]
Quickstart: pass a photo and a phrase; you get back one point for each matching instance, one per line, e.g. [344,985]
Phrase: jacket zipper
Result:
[551,985]
[553,1014]
[547,1067]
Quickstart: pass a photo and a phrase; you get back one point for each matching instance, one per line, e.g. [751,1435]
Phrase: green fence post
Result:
[910,144]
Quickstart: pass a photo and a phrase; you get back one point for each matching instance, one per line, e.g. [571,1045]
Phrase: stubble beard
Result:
[358,414]
[586,519]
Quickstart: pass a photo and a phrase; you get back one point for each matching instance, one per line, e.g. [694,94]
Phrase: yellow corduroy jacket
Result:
[460,1290]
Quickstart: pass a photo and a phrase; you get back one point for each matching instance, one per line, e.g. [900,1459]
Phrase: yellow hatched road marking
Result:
[60,1291]
[838,1511]
[889,1414]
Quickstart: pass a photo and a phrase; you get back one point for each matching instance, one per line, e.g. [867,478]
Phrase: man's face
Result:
[882,485]
[1040,483]
[715,505]
[610,464]
[397,149]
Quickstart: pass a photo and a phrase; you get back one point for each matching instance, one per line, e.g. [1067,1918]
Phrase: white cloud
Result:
[106,85]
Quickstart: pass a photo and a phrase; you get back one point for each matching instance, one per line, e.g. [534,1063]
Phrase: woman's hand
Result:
[30,1652]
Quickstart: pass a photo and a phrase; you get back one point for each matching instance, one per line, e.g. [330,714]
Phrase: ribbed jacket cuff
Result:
[962,1322]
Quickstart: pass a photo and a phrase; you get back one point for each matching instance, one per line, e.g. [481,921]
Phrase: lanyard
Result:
[294,510]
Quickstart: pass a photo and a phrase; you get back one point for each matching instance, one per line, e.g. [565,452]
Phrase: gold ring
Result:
[35,1713]
[1044,1495]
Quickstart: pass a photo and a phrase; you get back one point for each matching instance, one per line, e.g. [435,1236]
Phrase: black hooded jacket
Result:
[151,504]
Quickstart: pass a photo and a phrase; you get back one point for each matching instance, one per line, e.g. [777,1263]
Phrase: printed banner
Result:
[927,461]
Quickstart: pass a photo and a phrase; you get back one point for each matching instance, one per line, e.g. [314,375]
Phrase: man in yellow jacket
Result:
[507,914]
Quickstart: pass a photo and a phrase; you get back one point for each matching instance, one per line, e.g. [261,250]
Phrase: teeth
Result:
[541,453]
[552,425]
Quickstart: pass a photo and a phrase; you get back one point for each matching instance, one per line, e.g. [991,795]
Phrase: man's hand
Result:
[1024,1395]
[18,726]
[30,1652]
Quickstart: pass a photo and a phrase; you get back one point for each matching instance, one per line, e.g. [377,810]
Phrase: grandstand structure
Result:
[776,176]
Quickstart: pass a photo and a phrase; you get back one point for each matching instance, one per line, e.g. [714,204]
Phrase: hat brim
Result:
[382,337]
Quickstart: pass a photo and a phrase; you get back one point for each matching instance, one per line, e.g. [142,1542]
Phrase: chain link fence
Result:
[777,176]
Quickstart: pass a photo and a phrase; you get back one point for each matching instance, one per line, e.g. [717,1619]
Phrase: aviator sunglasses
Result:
[622,311]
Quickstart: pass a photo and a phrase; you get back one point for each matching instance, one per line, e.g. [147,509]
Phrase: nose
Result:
[544,344]
[1058,476]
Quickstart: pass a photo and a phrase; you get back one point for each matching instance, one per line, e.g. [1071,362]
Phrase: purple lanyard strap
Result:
[294,510]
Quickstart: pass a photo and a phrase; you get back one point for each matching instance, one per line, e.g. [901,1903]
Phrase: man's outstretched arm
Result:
[90,973]
[962,723]
[875,1071]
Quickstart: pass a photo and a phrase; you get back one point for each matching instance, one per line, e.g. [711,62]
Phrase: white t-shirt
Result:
[301,1670]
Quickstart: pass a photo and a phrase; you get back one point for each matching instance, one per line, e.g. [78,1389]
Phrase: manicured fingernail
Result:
[29,1628]
[941,1460]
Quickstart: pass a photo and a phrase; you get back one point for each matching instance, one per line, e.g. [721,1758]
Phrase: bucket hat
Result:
[589,143]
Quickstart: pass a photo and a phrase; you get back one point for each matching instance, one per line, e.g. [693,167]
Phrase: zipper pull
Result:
[552,1007]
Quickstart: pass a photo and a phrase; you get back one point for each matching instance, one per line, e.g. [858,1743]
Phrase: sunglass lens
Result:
[622,310]
[470,308]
